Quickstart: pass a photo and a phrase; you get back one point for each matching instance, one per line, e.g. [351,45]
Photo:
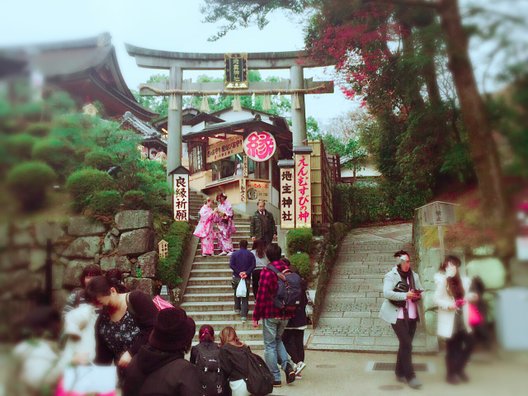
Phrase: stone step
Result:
[209,281]
[206,297]
[207,316]
[208,288]
[210,264]
[217,260]
[227,307]
[215,272]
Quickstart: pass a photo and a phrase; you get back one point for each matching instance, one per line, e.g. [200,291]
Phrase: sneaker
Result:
[414,383]
[403,380]
[277,384]
[237,311]
[223,254]
[230,254]
[298,377]
[243,319]
[290,374]
[452,379]
[463,377]
[300,367]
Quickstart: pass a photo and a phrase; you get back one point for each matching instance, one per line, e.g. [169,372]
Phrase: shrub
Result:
[82,183]
[56,153]
[98,159]
[105,202]
[134,199]
[301,261]
[356,204]
[20,145]
[299,240]
[38,129]
[169,268]
[29,181]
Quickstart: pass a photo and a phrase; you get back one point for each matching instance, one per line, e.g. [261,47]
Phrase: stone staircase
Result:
[349,320]
[208,297]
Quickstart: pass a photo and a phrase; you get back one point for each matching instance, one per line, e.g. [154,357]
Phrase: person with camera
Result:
[402,291]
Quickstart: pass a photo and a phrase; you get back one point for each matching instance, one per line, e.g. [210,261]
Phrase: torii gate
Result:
[177,62]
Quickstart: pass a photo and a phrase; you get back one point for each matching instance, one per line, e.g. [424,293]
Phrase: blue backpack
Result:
[289,290]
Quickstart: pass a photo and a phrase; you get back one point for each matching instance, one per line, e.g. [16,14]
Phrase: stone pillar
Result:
[298,111]
[174,123]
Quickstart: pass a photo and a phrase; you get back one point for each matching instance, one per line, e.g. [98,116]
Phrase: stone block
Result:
[47,230]
[136,242]
[72,272]
[4,235]
[133,219]
[23,238]
[37,259]
[115,232]
[148,263]
[111,262]
[144,284]
[83,247]
[15,259]
[85,226]
[20,284]
[110,242]
[57,276]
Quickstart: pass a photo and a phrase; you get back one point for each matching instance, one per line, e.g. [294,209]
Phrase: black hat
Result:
[173,330]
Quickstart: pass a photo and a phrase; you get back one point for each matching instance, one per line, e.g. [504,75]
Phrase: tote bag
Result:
[241,290]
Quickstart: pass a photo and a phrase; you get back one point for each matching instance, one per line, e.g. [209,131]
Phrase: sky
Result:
[176,25]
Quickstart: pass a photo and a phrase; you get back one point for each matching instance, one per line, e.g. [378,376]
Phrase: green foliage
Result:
[457,163]
[301,261]
[29,181]
[105,202]
[20,145]
[169,268]
[59,102]
[135,199]
[82,183]
[355,204]
[56,153]
[299,240]
[98,159]
[39,129]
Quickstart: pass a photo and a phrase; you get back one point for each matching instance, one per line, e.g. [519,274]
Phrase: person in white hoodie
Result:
[452,296]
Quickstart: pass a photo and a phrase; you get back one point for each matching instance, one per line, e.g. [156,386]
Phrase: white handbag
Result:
[241,290]
[90,379]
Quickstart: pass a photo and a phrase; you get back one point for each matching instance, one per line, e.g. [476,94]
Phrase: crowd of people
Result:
[106,324]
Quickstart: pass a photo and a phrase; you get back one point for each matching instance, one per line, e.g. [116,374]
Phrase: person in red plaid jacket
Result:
[274,321]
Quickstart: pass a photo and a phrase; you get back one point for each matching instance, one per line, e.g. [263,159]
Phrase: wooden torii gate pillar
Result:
[177,62]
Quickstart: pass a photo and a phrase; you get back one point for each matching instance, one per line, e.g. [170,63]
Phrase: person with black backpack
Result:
[248,373]
[205,355]
[275,305]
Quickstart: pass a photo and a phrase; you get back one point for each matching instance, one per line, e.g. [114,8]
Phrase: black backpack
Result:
[211,377]
[289,290]
[259,379]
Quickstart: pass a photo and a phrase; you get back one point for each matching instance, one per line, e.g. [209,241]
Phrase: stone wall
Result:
[127,243]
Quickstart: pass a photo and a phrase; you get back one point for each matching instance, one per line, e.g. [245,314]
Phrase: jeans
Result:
[458,351]
[405,330]
[241,303]
[274,351]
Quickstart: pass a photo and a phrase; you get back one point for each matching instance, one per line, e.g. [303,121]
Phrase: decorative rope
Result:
[167,92]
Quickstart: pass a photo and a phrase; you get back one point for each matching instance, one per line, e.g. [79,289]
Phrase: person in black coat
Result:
[160,367]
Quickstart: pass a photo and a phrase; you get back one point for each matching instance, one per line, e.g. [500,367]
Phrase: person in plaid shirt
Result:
[274,321]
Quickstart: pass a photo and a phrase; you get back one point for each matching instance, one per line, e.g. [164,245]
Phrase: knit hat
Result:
[173,330]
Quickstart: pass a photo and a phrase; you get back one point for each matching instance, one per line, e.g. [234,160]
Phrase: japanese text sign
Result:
[224,149]
[181,197]
[257,190]
[236,71]
[303,199]
[260,146]
[287,198]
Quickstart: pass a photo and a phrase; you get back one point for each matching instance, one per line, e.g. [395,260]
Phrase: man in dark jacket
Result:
[242,263]
[263,224]
[159,368]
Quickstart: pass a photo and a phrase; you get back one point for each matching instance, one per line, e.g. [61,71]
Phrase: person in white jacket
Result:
[452,296]
[400,309]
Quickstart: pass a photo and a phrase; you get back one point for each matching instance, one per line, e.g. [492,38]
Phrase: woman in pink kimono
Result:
[204,229]
[226,227]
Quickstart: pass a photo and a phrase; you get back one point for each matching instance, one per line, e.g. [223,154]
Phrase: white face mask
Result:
[450,270]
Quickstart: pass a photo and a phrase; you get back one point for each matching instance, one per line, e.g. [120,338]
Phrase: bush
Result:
[299,240]
[301,261]
[38,129]
[56,153]
[169,268]
[356,204]
[99,159]
[20,145]
[29,182]
[82,183]
[105,202]
[135,199]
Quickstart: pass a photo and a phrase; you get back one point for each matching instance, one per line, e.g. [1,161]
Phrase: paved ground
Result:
[349,320]
[347,373]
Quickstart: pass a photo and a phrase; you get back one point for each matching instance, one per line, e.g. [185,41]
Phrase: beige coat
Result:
[444,301]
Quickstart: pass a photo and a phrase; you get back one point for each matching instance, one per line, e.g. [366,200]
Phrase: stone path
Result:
[349,320]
